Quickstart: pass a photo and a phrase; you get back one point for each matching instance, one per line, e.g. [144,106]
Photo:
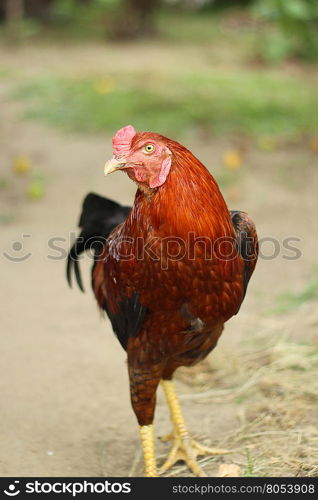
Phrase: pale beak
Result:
[112,165]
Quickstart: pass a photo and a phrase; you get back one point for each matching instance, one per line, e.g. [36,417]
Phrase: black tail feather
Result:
[98,218]
[72,264]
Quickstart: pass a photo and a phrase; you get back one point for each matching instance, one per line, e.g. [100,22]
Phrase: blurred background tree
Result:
[12,10]
[135,18]
[283,29]
[130,18]
[294,29]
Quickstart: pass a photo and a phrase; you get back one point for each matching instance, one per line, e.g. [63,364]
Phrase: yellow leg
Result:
[184,447]
[148,446]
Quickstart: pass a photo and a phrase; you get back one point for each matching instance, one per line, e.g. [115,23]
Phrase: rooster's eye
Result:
[149,148]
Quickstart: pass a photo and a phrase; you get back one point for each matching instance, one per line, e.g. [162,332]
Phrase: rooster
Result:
[169,272]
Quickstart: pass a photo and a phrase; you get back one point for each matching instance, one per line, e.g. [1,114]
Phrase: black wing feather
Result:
[247,242]
[128,320]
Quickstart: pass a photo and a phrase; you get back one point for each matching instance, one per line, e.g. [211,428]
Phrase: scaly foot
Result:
[148,446]
[187,449]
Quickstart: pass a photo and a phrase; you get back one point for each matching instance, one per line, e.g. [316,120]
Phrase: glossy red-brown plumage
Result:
[185,298]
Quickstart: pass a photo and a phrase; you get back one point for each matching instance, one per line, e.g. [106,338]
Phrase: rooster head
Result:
[144,156]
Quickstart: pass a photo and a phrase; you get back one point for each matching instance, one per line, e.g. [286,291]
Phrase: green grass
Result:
[221,103]
[228,178]
[250,466]
[189,27]
[4,182]
[6,73]
[289,301]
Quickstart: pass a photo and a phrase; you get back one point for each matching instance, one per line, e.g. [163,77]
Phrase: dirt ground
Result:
[64,385]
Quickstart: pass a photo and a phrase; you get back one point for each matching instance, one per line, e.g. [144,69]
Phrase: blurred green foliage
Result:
[174,104]
[295,29]
[68,9]
[120,18]
[282,28]
[289,301]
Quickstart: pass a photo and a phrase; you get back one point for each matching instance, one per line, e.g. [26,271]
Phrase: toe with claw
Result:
[187,449]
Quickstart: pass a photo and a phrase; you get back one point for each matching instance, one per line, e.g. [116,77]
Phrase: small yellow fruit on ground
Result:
[232,160]
[22,165]
[35,190]
[313,144]
[104,86]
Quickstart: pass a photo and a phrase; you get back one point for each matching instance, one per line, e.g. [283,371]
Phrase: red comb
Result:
[122,140]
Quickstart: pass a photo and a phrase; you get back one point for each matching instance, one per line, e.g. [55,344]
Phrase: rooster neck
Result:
[188,202]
